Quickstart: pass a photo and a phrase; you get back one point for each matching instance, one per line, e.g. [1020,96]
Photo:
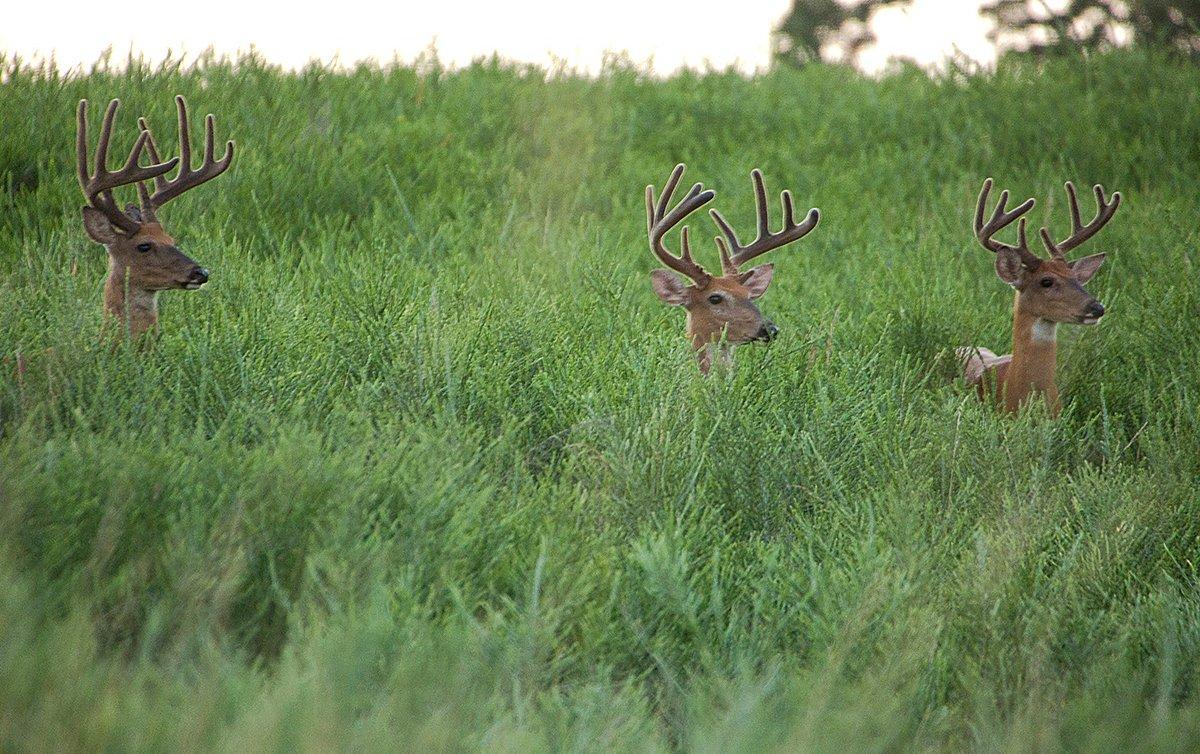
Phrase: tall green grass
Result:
[427,465]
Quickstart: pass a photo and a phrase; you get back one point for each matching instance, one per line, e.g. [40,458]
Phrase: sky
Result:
[667,34]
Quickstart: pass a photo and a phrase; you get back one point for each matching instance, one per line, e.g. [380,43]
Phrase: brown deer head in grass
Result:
[1047,288]
[143,258]
[1049,292]
[719,308]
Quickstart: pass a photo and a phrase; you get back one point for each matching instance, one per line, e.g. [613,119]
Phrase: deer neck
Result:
[710,351]
[714,354]
[134,308]
[1034,359]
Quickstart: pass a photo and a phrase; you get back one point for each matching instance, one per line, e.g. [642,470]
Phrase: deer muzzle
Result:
[767,332]
[196,278]
[1092,313]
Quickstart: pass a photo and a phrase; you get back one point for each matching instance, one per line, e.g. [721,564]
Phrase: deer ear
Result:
[757,279]
[1009,266]
[1085,267]
[98,228]
[669,287]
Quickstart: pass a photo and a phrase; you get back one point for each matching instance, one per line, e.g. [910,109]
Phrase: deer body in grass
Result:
[143,258]
[1048,292]
[721,309]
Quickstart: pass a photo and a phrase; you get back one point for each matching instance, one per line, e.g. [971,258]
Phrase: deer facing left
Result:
[721,310]
[143,258]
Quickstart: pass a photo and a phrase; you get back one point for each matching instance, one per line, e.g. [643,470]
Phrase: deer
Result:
[143,259]
[721,309]
[1048,292]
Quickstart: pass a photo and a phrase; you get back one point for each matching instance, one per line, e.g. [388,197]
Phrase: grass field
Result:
[427,466]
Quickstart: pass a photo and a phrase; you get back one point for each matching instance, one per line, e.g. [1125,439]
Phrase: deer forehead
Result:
[153,232]
[1055,267]
[726,284]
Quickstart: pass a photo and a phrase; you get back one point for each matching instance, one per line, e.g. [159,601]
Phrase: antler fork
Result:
[1000,219]
[736,254]
[98,187]
[1079,232]
[165,190]
[659,222]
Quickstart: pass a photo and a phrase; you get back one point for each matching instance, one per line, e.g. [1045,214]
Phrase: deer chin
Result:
[740,341]
[1088,320]
[761,337]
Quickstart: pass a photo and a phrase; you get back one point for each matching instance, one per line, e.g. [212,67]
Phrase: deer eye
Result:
[715,298]
[144,246]
[1047,282]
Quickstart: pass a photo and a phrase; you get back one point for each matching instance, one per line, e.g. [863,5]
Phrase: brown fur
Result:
[142,258]
[135,277]
[1011,380]
[721,311]
[735,318]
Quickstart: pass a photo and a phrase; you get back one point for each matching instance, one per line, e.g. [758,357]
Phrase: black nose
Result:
[1095,309]
[768,331]
[198,275]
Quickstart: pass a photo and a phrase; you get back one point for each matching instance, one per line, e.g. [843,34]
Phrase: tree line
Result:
[837,30]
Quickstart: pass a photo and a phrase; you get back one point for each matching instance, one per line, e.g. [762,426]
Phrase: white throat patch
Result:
[720,353]
[1045,331]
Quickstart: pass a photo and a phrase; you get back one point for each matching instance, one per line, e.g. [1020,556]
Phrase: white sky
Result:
[671,33]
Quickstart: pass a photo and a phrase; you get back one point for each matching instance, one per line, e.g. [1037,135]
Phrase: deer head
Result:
[719,306]
[143,257]
[1049,289]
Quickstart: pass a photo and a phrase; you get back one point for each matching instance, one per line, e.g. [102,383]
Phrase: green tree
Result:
[830,30]
[1036,27]
[836,30]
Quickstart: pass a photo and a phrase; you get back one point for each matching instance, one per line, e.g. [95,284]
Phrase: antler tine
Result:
[760,203]
[1080,232]
[981,205]
[727,265]
[1001,218]
[766,240]
[98,186]
[185,136]
[81,147]
[659,221]
[152,150]
[655,212]
[1073,204]
[165,190]
[685,248]
[159,181]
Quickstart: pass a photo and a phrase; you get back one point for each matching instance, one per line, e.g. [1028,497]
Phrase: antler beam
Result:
[1105,209]
[736,254]
[98,186]
[659,221]
[165,190]
[1001,218]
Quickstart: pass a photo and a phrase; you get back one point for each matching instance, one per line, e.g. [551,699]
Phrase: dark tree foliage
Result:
[836,30]
[812,27]
[1036,27]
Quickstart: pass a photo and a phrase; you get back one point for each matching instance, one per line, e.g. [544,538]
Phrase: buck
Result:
[1048,292]
[142,257]
[721,310]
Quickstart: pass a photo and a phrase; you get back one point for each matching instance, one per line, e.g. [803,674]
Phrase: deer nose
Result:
[768,331]
[199,276]
[1095,309]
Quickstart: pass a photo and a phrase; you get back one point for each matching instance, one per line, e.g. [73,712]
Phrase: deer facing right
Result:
[143,258]
[1049,292]
[721,309]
